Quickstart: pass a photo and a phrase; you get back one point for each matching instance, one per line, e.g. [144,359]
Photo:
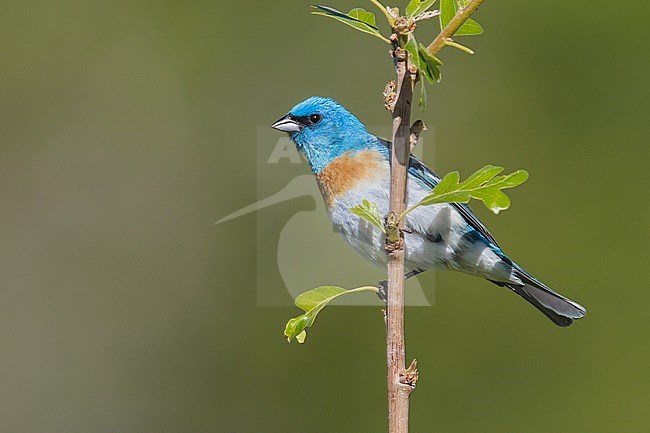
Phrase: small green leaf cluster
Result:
[368,211]
[421,57]
[424,62]
[312,302]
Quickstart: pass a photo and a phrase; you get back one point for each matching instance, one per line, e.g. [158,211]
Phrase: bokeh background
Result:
[128,128]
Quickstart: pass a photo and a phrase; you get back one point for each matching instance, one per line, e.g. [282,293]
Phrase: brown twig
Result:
[398,390]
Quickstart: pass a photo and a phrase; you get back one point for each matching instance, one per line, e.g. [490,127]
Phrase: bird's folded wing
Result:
[423,173]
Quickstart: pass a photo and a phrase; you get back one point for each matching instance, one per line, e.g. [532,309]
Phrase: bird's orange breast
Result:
[347,171]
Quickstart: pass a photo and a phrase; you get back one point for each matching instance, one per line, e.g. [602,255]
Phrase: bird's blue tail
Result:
[562,311]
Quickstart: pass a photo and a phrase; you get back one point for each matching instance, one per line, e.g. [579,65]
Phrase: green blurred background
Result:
[128,128]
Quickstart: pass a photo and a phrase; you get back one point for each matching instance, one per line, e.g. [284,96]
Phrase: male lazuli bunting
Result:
[351,164]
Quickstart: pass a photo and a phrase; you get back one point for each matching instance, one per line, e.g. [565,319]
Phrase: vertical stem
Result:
[399,388]
[402,380]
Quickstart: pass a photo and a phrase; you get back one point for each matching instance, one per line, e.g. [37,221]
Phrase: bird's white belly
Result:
[422,251]
[436,236]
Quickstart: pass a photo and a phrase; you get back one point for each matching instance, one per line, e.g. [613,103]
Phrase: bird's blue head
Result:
[323,130]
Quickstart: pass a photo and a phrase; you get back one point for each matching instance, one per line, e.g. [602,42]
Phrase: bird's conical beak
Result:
[287,124]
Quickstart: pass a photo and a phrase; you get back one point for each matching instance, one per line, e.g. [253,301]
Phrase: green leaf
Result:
[295,327]
[364,16]
[422,60]
[447,12]
[357,18]
[481,176]
[428,57]
[448,182]
[430,64]
[423,96]
[511,180]
[493,199]
[312,302]
[368,211]
[483,185]
[448,197]
[448,9]
[469,28]
[416,7]
[411,47]
[300,338]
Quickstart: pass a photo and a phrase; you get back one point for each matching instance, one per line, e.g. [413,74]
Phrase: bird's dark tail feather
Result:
[560,310]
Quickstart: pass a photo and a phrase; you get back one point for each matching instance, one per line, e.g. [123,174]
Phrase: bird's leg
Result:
[383,285]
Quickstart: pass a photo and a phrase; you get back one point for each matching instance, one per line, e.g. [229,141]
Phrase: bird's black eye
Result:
[315,118]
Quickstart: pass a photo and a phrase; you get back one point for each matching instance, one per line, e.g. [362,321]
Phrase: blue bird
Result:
[351,164]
